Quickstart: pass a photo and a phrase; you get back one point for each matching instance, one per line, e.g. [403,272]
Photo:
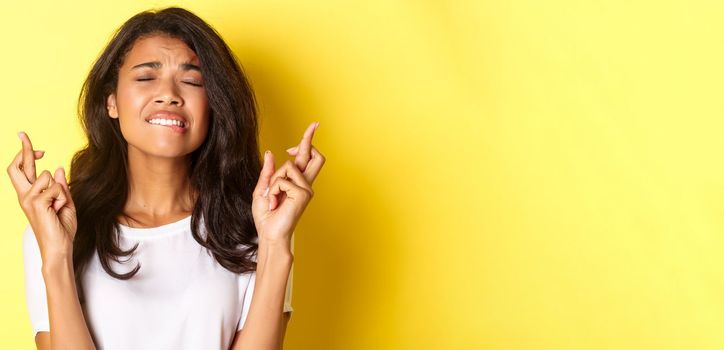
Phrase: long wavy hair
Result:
[224,169]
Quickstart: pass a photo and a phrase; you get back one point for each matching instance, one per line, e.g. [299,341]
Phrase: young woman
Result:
[170,221]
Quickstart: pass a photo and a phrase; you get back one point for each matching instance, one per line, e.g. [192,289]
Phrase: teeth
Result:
[161,121]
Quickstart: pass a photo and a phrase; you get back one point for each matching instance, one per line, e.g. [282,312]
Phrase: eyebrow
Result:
[157,65]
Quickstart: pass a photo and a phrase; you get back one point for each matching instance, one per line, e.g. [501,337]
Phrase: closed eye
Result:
[192,82]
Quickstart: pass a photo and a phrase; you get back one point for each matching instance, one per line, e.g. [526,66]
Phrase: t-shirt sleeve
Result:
[35,297]
[249,292]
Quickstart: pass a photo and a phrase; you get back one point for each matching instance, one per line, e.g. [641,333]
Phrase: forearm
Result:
[68,329]
[263,326]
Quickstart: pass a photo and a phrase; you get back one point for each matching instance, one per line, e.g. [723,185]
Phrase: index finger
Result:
[28,161]
[17,177]
[305,147]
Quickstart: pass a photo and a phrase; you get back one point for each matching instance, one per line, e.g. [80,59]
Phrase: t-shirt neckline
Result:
[176,226]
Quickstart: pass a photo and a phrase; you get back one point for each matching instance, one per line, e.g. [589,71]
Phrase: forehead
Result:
[160,48]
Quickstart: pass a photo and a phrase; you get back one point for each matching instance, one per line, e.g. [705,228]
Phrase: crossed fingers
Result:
[308,159]
[45,189]
[292,180]
[22,170]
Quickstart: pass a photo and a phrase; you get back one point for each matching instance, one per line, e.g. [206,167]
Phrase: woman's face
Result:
[160,99]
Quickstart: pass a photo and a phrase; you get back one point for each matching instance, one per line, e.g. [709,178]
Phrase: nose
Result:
[168,94]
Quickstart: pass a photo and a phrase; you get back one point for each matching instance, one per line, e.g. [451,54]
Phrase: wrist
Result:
[275,240]
[278,249]
[56,252]
[57,268]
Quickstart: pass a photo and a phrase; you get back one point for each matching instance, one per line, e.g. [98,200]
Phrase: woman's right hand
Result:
[46,202]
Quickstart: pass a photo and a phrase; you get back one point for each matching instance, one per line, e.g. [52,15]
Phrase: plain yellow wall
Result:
[501,174]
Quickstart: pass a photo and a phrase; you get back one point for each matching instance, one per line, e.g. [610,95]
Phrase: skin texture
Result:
[46,202]
[279,199]
[143,89]
[157,156]
[160,192]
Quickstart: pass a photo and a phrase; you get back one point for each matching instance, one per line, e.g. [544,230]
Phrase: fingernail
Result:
[266,192]
[292,149]
[20,135]
[39,150]
[316,125]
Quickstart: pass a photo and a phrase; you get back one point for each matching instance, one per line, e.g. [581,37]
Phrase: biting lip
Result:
[168,116]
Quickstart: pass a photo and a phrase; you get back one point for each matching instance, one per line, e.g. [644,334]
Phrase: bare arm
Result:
[66,316]
[69,329]
[264,328]
[279,199]
[46,202]
[42,340]
[285,322]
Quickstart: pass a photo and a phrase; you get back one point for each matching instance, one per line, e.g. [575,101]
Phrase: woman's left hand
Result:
[282,195]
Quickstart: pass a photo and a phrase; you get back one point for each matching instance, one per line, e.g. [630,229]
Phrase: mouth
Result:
[173,121]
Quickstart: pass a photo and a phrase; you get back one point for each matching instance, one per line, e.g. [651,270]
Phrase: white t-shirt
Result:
[181,298]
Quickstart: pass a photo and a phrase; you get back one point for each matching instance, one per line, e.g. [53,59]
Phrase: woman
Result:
[170,221]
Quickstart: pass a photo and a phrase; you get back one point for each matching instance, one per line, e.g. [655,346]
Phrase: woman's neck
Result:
[159,189]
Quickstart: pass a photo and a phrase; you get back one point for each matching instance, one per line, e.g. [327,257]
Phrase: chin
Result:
[169,155]
[162,150]
[172,155]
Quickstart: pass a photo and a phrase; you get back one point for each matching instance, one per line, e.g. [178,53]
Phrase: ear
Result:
[111,106]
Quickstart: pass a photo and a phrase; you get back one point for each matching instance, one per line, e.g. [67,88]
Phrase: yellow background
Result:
[501,174]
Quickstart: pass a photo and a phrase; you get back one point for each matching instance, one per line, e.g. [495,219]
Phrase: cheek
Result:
[203,113]
[130,101]
[203,125]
